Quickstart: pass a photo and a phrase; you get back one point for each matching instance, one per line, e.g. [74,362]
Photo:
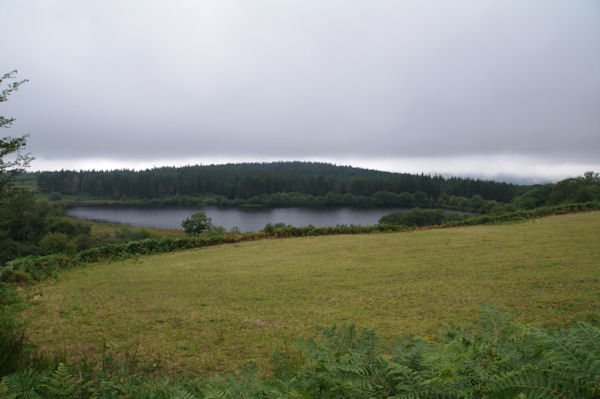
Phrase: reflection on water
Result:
[246,218]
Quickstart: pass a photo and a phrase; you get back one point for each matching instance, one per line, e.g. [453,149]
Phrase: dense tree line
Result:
[254,179]
[572,190]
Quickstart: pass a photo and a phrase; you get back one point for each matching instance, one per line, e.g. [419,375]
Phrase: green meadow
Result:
[214,309]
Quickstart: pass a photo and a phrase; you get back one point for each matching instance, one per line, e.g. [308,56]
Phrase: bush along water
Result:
[40,267]
[495,358]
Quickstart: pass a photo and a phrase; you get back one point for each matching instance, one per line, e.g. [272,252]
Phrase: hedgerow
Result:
[37,268]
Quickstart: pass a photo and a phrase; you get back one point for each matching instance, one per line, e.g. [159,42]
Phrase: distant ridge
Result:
[244,180]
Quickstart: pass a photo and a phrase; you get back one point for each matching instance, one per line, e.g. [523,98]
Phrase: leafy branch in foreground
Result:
[11,145]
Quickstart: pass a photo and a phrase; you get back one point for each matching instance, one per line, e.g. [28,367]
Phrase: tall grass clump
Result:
[16,351]
[14,348]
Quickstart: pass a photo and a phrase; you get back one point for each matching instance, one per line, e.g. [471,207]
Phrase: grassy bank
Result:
[102,230]
[213,309]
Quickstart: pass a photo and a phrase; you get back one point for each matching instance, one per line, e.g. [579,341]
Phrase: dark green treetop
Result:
[197,223]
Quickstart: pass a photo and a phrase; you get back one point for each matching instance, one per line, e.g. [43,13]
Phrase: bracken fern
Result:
[496,358]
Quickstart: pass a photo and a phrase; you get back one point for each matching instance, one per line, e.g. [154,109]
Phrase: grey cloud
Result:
[306,79]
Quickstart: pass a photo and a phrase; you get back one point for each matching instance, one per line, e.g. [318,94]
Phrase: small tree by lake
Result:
[197,223]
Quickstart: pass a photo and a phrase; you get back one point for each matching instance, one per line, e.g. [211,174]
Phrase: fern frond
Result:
[62,383]
[214,389]
[532,382]
[23,384]
[587,338]
[4,392]
[588,334]
[574,357]
[181,393]
[246,383]
[410,351]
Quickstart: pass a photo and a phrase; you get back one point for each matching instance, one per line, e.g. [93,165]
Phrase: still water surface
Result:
[246,218]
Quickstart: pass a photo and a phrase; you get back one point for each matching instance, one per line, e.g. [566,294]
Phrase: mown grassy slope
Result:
[213,309]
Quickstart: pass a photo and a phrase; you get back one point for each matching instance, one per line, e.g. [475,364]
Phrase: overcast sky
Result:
[475,87]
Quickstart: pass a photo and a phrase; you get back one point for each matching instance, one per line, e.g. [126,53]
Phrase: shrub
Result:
[268,228]
[216,230]
[67,226]
[54,243]
[11,249]
[197,223]
[125,234]
[36,267]
[82,241]
[55,196]
[100,239]
[8,295]
[419,217]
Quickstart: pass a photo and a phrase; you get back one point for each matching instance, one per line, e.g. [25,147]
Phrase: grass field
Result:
[214,309]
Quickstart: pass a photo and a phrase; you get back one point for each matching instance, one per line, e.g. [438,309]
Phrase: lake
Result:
[246,218]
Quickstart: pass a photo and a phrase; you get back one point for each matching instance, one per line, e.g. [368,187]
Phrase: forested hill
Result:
[246,180]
